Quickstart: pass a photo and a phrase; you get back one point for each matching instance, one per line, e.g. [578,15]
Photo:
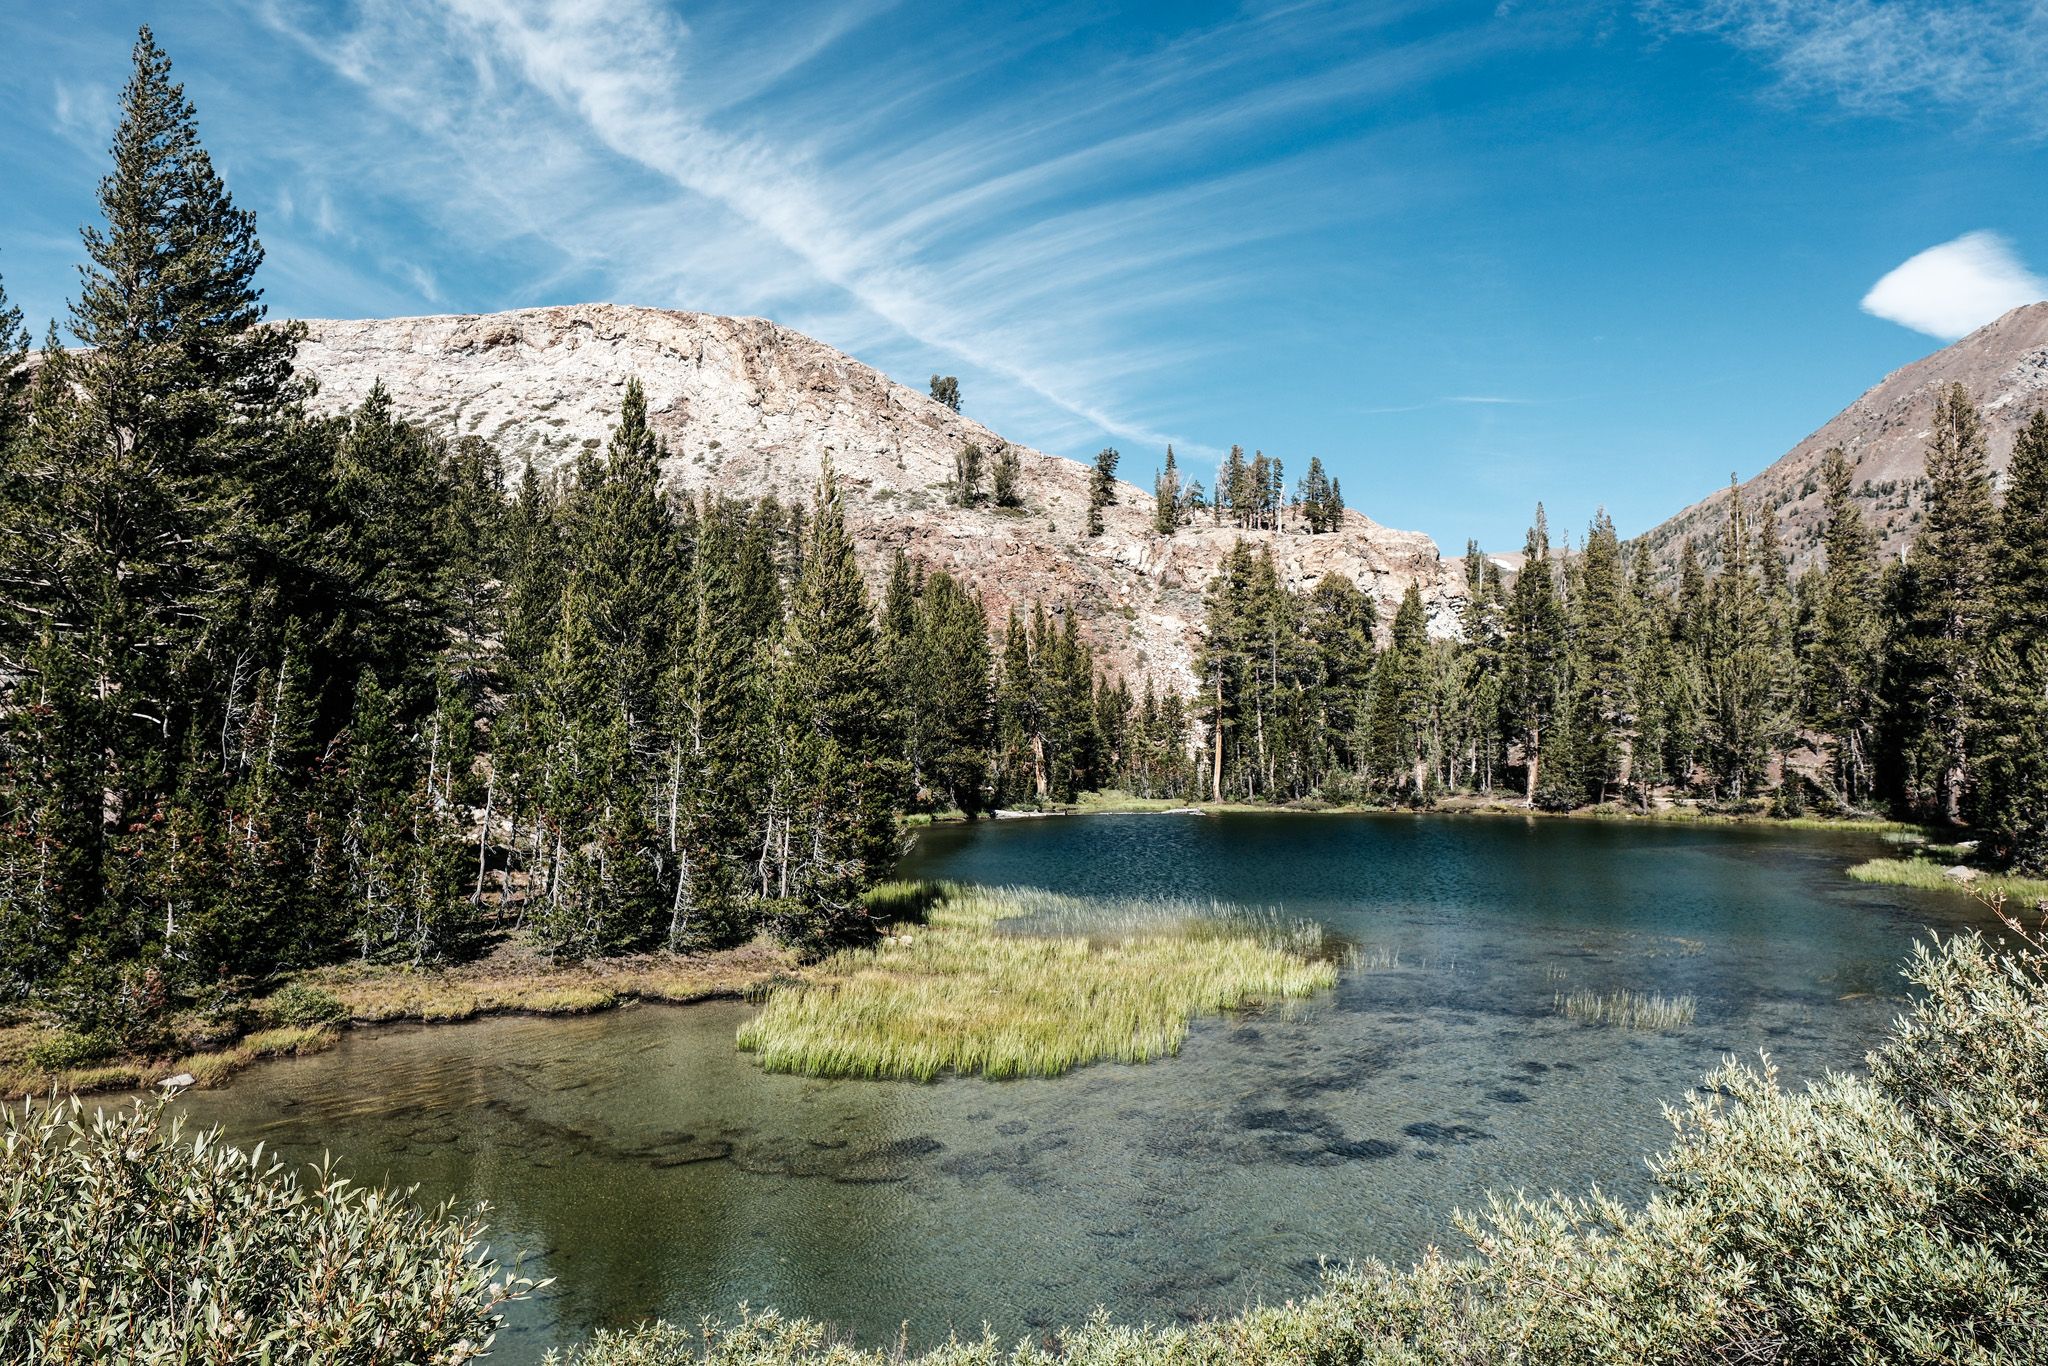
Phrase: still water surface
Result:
[650,1168]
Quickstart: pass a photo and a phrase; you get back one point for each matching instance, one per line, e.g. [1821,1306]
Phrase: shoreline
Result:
[511,980]
[1123,804]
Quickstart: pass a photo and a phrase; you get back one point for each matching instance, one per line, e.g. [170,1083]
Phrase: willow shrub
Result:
[1898,1217]
[122,1240]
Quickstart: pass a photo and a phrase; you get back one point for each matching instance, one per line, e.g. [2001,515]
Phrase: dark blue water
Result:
[655,1171]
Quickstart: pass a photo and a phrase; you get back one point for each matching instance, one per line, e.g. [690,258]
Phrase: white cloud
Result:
[83,113]
[1955,288]
[1987,57]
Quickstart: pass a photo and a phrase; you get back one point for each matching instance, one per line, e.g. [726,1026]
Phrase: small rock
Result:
[182,1079]
[1959,873]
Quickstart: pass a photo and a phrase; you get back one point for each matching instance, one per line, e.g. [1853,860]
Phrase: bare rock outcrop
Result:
[748,408]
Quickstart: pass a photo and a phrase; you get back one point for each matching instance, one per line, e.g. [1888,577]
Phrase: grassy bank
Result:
[1929,875]
[1070,982]
[37,1058]
[307,1013]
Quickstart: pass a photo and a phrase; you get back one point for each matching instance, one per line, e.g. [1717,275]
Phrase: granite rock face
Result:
[2003,365]
[749,408]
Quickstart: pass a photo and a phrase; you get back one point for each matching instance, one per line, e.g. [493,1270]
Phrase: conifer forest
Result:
[284,689]
[326,707]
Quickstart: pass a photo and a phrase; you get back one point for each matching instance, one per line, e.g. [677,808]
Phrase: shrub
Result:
[120,1239]
[301,1004]
[65,1049]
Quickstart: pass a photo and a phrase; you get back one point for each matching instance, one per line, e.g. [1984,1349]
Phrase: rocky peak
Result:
[2003,365]
[748,408]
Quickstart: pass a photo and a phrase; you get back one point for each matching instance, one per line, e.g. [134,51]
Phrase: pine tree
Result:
[1314,496]
[1600,635]
[1007,479]
[1530,686]
[1166,493]
[2012,802]
[1232,479]
[713,806]
[956,707]
[1224,662]
[1941,688]
[1398,735]
[901,667]
[1841,658]
[1340,620]
[1738,660]
[144,514]
[1101,488]
[1020,773]
[388,486]
[836,834]
[967,475]
[946,390]
[13,373]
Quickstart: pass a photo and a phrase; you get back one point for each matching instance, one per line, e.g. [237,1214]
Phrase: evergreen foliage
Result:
[1005,479]
[967,475]
[280,690]
[1169,507]
[1939,598]
[2011,735]
[1101,487]
[1844,638]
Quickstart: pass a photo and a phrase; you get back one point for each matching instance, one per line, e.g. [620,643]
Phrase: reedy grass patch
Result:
[1628,1009]
[1928,875]
[1018,982]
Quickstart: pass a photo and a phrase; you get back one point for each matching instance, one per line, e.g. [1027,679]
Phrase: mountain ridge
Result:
[749,407]
[2003,365]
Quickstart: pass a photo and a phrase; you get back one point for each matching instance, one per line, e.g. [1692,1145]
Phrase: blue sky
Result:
[1471,255]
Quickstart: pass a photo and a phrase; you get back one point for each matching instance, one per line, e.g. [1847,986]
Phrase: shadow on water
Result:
[651,1168]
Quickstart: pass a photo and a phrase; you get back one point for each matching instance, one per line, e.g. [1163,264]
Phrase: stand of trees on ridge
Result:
[1919,687]
[281,689]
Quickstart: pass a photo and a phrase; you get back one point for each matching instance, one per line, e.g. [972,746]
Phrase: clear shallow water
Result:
[653,1170]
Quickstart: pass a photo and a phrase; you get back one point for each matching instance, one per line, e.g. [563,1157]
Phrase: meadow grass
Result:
[1931,876]
[1628,1009]
[1015,982]
[23,1073]
[305,1014]
[518,981]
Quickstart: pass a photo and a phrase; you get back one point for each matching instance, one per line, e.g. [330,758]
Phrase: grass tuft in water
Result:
[1019,982]
[1628,1009]
[1372,958]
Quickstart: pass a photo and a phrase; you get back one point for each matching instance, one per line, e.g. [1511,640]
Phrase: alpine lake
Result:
[654,1170]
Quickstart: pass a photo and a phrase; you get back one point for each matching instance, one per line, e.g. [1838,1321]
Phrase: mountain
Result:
[2004,365]
[749,408]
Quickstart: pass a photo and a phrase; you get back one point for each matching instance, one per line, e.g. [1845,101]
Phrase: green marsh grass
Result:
[1017,982]
[1628,1009]
[1931,876]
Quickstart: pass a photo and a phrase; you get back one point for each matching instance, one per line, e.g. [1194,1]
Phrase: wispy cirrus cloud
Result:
[1032,234]
[1952,290]
[1989,57]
